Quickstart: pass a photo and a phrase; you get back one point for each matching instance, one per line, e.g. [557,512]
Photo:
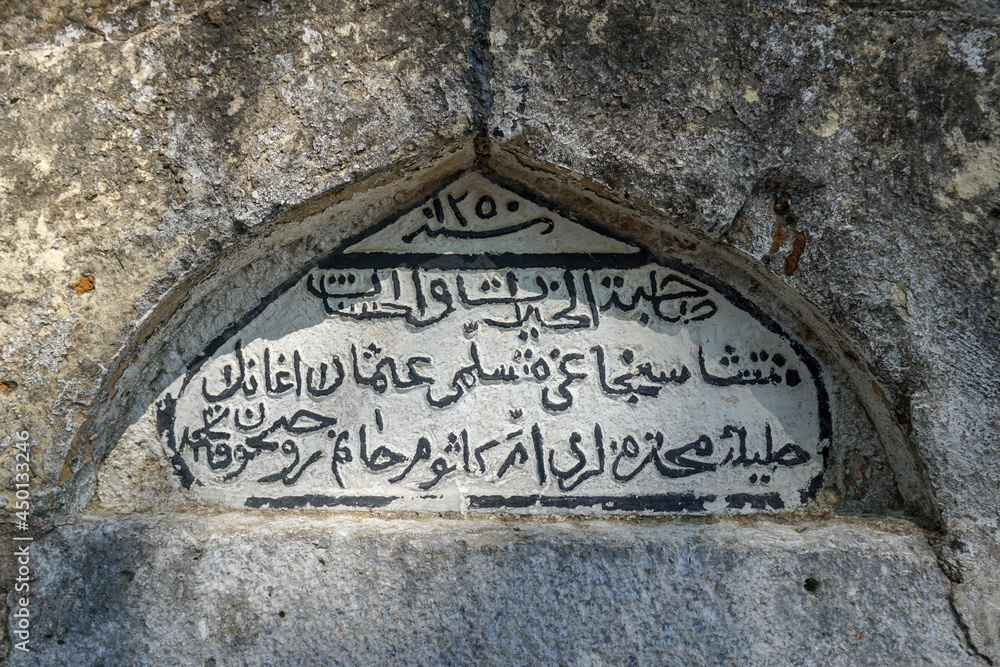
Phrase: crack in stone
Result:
[954,578]
[479,77]
[966,634]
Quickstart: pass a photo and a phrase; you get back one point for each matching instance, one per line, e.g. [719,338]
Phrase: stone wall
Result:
[163,165]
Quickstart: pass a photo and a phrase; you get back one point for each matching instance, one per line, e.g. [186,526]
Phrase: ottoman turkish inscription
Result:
[487,350]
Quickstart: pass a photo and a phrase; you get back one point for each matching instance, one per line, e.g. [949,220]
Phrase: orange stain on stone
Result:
[779,238]
[792,263]
[84,284]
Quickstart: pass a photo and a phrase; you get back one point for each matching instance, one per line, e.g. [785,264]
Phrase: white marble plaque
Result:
[486,350]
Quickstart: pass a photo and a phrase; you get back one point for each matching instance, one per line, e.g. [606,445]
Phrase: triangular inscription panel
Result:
[486,350]
[472,215]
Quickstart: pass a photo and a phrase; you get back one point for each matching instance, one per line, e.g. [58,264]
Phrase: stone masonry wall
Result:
[839,156]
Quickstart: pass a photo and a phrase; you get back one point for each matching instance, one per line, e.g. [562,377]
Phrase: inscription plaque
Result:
[487,350]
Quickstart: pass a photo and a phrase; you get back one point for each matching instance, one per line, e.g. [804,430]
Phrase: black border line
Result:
[660,502]
[669,502]
[315,500]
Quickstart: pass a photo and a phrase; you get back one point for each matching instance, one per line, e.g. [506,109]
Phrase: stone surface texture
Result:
[163,159]
[245,591]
